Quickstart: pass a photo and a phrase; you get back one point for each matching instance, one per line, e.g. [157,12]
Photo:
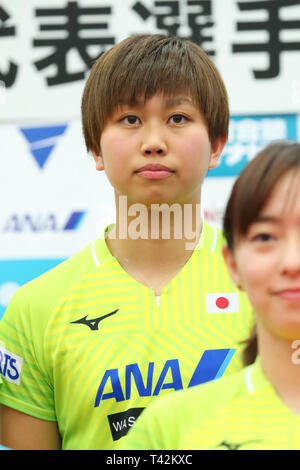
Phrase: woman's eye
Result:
[130,120]
[263,237]
[178,119]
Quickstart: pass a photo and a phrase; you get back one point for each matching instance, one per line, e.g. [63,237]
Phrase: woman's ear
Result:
[216,150]
[231,264]
[98,159]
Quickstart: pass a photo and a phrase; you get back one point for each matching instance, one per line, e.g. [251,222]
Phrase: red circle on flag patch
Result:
[222,302]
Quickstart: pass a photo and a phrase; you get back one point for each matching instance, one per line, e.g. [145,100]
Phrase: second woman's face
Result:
[266,262]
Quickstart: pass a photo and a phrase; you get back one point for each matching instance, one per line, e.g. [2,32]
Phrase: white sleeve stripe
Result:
[213,247]
[249,383]
[93,250]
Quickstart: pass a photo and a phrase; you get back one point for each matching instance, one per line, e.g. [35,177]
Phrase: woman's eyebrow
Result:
[267,218]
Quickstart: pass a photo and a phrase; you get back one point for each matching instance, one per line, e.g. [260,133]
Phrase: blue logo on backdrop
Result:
[42,222]
[42,141]
[15,273]
[74,220]
[248,135]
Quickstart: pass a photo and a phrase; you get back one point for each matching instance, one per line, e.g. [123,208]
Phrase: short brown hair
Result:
[249,194]
[142,65]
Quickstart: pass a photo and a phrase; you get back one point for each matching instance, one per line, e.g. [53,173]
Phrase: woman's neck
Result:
[153,245]
[279,361]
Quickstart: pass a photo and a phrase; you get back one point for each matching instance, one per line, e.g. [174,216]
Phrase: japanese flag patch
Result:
[222,303]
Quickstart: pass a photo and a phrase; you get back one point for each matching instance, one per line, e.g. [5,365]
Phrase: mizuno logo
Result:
[93,324]
[231,446]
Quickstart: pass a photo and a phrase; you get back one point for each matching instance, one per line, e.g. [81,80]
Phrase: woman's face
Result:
[266,261]
[158,151]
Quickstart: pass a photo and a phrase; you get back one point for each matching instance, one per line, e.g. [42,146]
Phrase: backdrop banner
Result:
[48,47]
